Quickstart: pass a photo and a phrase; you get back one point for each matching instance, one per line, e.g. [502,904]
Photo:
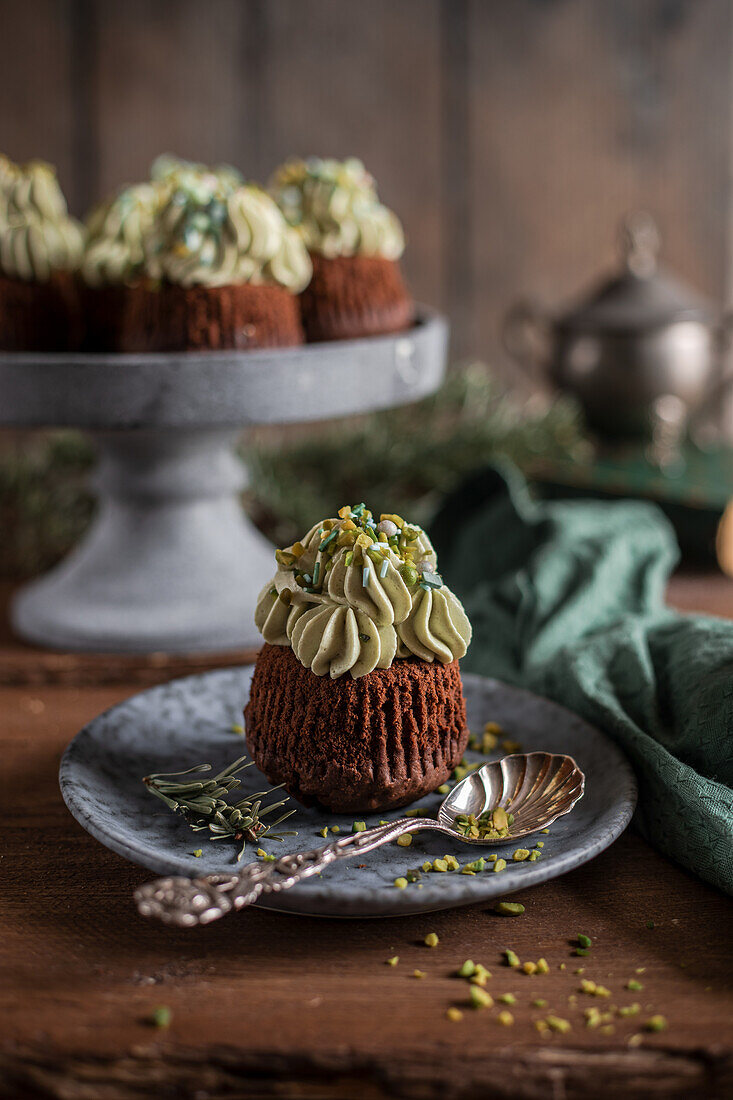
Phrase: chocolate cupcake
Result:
[114,259]
[356,699]
[40,248]
[195,260]
[354,242]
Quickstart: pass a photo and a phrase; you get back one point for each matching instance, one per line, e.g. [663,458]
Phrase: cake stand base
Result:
[171,561]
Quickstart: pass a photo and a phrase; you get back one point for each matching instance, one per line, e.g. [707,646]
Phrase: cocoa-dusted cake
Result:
[356,699]
[195,260]
[355,244]
[40,248]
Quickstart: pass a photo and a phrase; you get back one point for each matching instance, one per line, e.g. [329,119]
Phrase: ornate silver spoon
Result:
[536,788]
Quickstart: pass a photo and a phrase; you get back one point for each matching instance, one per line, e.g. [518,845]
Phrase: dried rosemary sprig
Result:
[202,803]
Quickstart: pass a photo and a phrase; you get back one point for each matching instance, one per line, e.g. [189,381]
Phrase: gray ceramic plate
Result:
[189,721]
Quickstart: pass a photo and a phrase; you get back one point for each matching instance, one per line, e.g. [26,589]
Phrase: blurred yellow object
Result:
[724,541]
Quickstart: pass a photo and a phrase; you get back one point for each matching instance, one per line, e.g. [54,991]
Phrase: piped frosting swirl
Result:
[193,225]
[355,594]
[37,234]
[211,233]
[335,207]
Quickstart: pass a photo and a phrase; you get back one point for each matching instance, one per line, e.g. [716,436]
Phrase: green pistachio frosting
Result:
[335,207]
[356,594]
[213,232]
[37,234]
[117,230]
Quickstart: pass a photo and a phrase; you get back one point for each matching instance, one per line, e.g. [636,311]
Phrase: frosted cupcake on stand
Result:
[355,243]
[40,250]
[195,260]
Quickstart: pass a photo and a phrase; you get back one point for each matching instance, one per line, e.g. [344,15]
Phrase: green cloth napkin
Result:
[567,598]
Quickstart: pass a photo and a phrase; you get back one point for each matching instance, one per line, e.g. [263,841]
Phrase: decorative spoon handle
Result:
[189,901]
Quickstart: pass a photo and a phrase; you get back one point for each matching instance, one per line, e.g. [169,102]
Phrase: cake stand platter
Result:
[171,563]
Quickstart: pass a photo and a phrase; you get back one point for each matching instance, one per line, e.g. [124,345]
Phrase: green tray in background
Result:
[693,493]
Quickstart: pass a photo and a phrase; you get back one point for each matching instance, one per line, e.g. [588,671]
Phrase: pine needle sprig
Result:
[203,805]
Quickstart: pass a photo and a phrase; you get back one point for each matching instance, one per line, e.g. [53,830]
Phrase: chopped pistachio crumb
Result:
[542,966]
[534,857]
[630,1010]
[400,883]
[161,1016]
[452,863]
[634,985]
[405,840]
[198,852]
[507,999]
[359,827]
[466,969]
[480,998]
[440,865]
[335,828]
[419,974]
[480,975]
[261,853]
[427,866]
[500,865]
[529,967]
[493,727]
[393,961]
[540,1002]
[510,908]
[512,958]
[635,1040]
[608,1029]
[562,966]
[650,924]
[656,1023]
[444,788]
[581,951]
[505,1018]
[431,940]
[454,1014]
[540,844]
[544,830]
[237,729]
[323,832]
[541,1026]
[640,970]
[583,940]
[556,1023]
[511,746]
[417,811]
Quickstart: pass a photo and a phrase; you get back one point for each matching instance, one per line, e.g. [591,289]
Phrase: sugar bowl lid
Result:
[640,296]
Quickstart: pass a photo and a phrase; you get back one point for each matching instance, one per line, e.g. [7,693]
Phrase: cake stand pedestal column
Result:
[171,561]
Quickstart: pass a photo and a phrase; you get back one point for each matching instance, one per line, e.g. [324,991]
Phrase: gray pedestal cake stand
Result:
[171,562]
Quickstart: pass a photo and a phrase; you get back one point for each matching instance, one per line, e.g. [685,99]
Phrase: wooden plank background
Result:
[510,137]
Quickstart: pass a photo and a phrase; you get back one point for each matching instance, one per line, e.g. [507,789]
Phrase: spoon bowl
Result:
[535,787]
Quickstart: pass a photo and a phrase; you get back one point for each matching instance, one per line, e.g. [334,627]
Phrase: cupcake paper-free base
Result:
[356,698]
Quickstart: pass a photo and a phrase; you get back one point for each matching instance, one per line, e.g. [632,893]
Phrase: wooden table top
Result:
[269,1005]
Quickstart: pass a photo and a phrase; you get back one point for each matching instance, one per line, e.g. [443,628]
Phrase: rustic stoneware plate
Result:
[190,721]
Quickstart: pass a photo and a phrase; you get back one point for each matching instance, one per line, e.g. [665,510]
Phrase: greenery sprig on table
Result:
[202,803]
[402,459]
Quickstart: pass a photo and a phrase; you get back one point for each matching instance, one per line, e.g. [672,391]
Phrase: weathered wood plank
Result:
[166,79]
[347,79]
[37,96]
[584,110]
